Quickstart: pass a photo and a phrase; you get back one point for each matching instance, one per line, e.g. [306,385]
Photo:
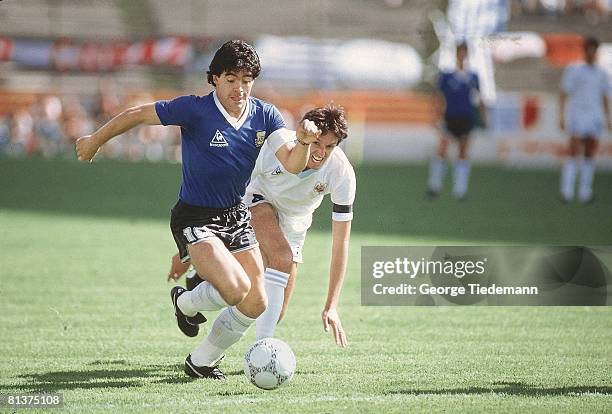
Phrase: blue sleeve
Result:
[177,111]
[274,120]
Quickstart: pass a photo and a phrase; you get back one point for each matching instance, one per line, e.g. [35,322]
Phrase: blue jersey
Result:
[218,157]
[459,90]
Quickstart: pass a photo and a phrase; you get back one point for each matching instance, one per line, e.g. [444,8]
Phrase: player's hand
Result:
[177,268]
[308,132]
[331,319]
[86,148]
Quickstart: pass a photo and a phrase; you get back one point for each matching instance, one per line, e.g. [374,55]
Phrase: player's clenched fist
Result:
[307,132]
[86,148]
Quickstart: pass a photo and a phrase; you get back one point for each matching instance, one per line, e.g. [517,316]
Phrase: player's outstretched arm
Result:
[87,146]
[341,232]
[294,159]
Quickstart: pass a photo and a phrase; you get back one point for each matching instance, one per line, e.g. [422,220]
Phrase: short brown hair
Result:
[330,118]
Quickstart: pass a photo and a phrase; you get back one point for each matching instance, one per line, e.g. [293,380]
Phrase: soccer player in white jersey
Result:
[584,113]
[282,204]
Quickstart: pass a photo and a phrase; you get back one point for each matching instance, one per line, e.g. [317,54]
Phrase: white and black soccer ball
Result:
[269,363]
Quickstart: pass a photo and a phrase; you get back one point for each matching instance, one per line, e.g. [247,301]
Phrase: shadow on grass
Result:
[111,377]
[96,378]
[511,388]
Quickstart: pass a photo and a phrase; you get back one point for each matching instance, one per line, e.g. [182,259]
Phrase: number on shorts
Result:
[188,233]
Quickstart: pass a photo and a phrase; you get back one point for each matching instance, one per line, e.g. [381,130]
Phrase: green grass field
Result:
[85,307]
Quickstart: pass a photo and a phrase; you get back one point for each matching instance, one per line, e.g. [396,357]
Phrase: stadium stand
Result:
[93,18]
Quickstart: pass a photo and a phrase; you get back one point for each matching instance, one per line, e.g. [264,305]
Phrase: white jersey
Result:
[296,197]
[585,85]
[299,195]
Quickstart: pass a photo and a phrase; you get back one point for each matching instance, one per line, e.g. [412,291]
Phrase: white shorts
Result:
[294,228]
[581,127]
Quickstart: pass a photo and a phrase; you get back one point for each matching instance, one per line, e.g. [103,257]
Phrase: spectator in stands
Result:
[49,129]
[460,96]
[23,140]
[76,119]
[585,88]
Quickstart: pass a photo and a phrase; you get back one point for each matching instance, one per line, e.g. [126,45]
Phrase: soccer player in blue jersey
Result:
[460,92]
[222,134]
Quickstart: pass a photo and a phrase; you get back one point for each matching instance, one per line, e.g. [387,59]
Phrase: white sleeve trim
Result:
[279,138]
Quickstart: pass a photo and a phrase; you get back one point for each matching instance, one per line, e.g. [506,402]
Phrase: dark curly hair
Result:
[330,118]
[234,56]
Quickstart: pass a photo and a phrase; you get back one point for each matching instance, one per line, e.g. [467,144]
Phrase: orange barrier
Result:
[14,101]
[371,106]
[563,48]
[374,106]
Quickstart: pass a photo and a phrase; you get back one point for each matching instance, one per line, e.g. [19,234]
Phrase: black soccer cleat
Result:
[192,280]
[187,324]
[204,372]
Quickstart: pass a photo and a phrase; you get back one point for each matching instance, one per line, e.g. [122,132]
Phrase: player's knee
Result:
[237,291]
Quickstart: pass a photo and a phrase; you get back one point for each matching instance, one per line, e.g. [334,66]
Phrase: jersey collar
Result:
[235,122]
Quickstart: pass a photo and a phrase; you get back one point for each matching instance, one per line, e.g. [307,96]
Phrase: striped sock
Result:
[275,283]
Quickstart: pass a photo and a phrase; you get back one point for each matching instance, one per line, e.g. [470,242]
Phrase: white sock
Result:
[568,178]
[227,329]
[275,283]
[461,177]
[437,168]
[585,189]
[205,297]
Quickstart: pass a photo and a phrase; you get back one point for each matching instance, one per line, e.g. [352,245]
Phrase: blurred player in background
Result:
[460,92]
[222,134]
[282,205]
[585,88]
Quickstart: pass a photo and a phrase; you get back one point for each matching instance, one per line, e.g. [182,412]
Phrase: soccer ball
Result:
[269,363]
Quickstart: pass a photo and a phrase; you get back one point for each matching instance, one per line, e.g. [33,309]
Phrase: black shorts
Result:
[193,224]
[459,126]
